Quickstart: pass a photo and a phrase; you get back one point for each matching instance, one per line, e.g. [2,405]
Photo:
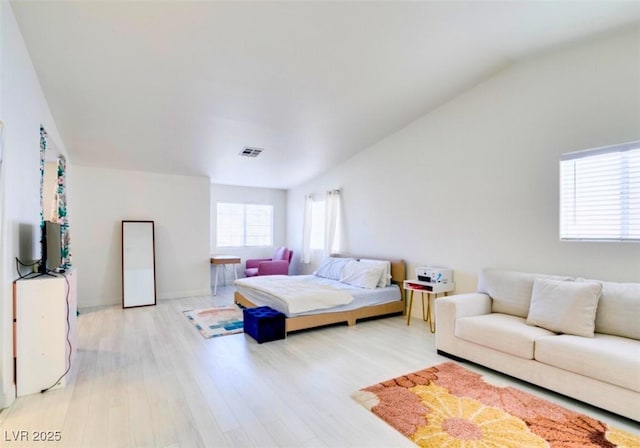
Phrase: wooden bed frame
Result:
[398,275]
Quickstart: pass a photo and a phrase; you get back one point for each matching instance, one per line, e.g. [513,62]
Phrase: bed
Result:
[381,301]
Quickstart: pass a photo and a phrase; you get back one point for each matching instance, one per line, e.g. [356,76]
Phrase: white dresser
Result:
[44,314]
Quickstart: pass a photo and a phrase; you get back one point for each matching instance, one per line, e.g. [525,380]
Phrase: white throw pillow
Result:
[364,275]
[385,278]
[618,309]
[331,268]
[510,291]
[564,306]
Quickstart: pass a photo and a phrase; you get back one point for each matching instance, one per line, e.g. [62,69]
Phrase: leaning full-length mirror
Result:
[138,264]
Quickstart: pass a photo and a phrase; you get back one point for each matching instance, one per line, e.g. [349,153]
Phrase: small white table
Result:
[223,260]
[429,289]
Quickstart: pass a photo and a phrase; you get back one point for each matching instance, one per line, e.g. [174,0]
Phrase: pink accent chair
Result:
[278,265]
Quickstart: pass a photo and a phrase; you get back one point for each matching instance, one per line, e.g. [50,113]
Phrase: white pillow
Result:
[564,306]
[618,309]
[364,275]
[331,268]
[385,278]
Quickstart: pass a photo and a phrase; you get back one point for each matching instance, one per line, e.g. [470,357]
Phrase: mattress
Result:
[362,297]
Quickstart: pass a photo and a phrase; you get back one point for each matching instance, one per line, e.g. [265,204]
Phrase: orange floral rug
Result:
[450,406]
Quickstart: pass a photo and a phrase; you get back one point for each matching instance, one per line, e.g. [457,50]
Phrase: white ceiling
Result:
[181,87]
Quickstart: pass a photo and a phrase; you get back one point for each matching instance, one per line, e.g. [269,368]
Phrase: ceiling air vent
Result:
[250,152]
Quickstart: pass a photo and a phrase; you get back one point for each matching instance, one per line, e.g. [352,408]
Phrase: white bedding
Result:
[299,292]
[361,296]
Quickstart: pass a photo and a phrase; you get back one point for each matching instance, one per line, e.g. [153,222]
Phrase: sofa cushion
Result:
[618,309]
[510,291]
[565,307]
[251,272]
[281,253]
[611,359]
[503,332]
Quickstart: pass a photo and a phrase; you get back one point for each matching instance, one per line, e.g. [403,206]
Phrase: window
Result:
[317,224]
[600,194]
[244,225]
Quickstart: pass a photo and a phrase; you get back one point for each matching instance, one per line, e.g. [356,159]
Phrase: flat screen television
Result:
[51,247]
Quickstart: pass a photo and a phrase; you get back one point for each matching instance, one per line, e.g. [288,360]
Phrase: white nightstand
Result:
[430,289]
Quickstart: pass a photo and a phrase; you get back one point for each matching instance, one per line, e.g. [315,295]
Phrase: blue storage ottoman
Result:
[264,324]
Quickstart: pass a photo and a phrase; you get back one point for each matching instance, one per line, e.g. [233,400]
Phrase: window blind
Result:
[600,194]
[240,224]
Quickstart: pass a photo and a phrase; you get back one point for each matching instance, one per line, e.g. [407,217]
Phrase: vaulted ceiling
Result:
[181,87]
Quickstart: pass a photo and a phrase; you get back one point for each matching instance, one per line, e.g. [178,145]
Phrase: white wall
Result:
[177,204]
[229,193]
[474,183]
[23,108]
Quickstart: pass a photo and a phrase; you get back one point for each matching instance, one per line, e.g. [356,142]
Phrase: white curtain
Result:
[306,230]
[332,239]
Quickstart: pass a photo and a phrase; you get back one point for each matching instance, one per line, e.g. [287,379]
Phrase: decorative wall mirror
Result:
[138,264]
[53,199]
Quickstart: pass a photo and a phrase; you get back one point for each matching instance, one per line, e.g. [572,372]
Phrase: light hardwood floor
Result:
[145,377]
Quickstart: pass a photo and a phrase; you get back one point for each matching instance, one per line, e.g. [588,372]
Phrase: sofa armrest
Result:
[276,267]
[462,305]
[449,309]
[255,262]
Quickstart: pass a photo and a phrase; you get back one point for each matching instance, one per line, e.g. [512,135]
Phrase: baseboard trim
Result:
[7,398]
[185,294]
[110,301]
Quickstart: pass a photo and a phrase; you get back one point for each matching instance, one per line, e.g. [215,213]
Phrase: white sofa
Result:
[517,323]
